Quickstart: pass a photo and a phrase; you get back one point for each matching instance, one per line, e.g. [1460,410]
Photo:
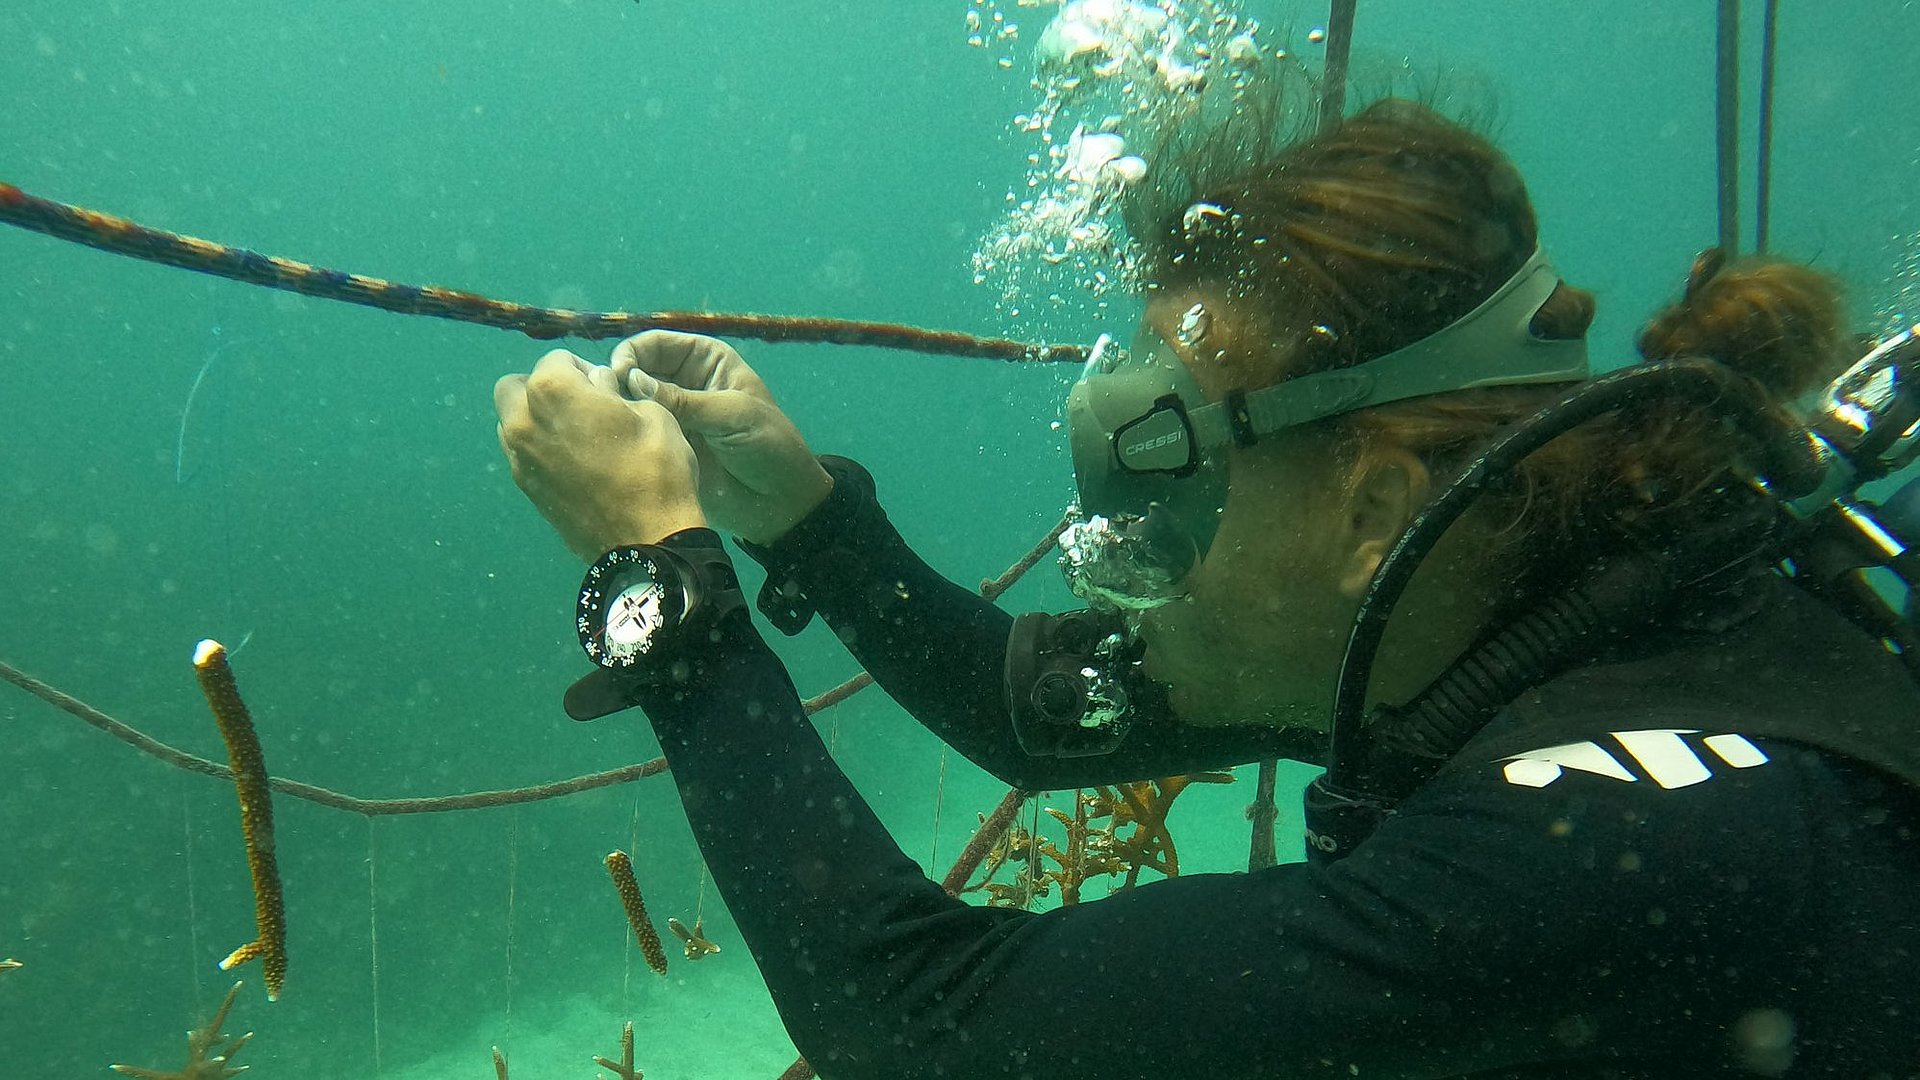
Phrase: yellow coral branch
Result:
[621,868]
[256,814]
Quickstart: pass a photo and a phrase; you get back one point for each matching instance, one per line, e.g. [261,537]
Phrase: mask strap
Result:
[1492,345]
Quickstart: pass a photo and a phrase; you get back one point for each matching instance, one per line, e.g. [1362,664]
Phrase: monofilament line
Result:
[939,796]
[186,411]
[373,941]
[513,871]
[193,915]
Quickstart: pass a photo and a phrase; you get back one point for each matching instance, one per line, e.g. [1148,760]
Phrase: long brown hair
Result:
[1349,244]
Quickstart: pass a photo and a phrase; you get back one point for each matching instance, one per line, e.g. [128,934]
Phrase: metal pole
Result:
[1727,121]
[1763,190]
[1333,99]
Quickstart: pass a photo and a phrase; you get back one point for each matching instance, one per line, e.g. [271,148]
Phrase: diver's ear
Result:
[1387,490]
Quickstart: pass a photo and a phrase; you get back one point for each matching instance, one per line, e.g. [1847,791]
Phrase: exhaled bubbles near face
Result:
[1194,323]
[1113,76]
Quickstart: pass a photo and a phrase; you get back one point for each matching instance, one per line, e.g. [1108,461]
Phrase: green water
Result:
[344,499]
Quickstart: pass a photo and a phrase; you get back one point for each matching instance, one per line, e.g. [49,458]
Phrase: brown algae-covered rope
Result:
[428,804]
[621,869]
[121,236]
[982,841]
[431,804]
[256,814]
[992,588]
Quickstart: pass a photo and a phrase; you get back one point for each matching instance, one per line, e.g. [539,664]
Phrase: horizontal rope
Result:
[433,804]
[121,236]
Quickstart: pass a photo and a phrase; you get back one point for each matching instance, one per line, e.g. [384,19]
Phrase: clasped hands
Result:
[674,432]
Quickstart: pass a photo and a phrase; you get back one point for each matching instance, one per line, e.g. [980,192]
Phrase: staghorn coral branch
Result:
[256,814]
[621,869]
[622,1069]
[694,941]
[120,236]
[201,1066]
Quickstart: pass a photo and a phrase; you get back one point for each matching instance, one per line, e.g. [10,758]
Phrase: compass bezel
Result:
[616,574]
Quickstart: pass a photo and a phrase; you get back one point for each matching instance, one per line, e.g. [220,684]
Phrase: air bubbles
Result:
[987,24]
[1317,35]
[1113,78]
[1129,169]
[1194,324]
[1201,218]
[1089,153]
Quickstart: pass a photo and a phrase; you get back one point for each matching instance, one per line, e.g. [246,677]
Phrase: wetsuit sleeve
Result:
[940,649]
[1482,925]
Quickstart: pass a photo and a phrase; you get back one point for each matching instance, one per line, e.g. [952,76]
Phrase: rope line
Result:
[475,800]
[120,236]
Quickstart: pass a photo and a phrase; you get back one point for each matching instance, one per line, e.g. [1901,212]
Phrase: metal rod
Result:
[1333,98]
[1763,185]
[1727,123]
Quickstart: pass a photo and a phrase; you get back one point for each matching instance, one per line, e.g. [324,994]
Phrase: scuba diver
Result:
[1628,784]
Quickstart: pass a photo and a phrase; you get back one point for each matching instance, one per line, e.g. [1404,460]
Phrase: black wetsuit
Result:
[1711,893]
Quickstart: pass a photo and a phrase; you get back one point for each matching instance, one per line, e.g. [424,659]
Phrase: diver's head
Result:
[1328,333]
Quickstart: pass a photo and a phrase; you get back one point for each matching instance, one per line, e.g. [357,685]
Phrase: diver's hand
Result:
[757,477]
[604,470]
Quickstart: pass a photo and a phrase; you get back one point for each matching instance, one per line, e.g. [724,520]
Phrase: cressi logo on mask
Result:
[1152,443]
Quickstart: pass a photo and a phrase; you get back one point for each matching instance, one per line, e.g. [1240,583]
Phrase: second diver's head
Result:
[1328,333]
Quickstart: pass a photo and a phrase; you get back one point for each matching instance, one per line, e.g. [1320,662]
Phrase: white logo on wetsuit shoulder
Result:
[1663,754]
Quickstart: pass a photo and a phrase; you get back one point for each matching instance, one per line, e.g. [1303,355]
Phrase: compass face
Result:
[626,602]
[633,620]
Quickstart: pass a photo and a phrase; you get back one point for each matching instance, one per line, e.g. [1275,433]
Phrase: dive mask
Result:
[1150,451]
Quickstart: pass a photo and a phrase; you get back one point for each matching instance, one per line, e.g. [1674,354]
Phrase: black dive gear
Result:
[643,614]
[1071,681]
[1869,427]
